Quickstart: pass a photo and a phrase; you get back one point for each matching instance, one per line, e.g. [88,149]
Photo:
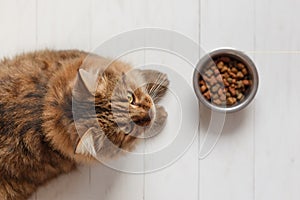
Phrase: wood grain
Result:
[257,156]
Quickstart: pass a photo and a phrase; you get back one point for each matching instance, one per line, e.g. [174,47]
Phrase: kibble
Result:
[241,66]
[232,75]
[246,82]
[240,75]
[240,96]
[232,91]
[220,65]
[209,73]
[203,88]
[223,98]
[230,100]
[224,69]
[225,83]
[215,88]
[220,79]
[220,92]
[218,101]
[244,71]
[215,96]
[239,84]
[234,70]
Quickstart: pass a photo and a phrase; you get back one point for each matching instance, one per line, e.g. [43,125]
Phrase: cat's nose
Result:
[143,121]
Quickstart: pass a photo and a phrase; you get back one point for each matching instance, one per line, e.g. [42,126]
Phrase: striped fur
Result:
[39,132]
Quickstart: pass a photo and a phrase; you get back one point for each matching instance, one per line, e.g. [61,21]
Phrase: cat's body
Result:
[39,139]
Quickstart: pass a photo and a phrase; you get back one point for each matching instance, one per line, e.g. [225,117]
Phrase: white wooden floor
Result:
[258,154]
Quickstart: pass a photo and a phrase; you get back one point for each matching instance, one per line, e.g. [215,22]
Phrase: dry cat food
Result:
[226,82]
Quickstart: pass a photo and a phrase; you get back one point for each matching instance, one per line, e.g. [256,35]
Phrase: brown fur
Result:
[39,137]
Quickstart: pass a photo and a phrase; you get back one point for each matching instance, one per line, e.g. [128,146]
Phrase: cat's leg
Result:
[159,122]
[156,84]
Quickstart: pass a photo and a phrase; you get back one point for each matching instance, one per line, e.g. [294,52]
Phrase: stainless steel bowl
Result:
[237,55]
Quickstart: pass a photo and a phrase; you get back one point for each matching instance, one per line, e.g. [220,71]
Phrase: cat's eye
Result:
[130,97]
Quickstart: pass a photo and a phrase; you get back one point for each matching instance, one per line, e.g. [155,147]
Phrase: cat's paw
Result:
[161,114]
[156,84]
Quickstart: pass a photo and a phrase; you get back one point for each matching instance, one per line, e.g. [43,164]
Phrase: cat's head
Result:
[123,107]
[131,104]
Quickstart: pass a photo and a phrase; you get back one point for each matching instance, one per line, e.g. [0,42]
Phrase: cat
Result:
[49,103]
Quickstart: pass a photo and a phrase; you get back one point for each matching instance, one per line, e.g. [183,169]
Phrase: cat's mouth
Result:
[143,119]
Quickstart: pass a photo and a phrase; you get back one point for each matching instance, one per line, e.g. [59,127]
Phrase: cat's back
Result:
[23,86]
[26,75]
[36,66]
[24,79]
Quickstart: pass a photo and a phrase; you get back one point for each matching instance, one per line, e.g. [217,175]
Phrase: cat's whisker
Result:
[155,89]
[156,84]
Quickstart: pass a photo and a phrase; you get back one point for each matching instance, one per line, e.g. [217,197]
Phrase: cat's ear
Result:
[86,145]
[87,80]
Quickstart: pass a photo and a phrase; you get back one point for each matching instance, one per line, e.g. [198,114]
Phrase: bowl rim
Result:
[239,55]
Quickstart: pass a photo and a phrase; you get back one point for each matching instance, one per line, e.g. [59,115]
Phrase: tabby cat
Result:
[63,108]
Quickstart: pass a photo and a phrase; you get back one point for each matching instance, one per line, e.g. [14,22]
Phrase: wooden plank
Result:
[276,123]
[110,18]
[75,185]
[111,184]
[18,29]
[275,25]
[227,173]
[179,180]
[277,143]
[227,24]
[63,24]
[18,32]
